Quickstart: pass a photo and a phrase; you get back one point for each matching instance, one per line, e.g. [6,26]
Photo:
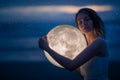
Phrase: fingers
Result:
[44,37]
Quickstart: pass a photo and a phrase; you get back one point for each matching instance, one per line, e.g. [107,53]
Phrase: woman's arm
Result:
[83,57]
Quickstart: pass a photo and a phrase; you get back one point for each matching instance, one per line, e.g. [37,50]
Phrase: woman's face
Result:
[85,23]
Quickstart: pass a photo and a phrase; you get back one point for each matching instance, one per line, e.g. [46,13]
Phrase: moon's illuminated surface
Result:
[66,40]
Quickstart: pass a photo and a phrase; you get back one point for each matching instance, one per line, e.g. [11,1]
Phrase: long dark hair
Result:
[97,21]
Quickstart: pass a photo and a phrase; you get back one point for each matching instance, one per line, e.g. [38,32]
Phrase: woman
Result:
[92,61]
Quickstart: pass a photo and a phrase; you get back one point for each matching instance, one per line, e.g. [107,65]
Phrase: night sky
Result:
[23,22]
[36,10]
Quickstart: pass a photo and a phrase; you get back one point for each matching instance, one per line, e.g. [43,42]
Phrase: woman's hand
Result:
[43,43]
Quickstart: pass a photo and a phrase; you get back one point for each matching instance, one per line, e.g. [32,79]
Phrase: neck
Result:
[90,37]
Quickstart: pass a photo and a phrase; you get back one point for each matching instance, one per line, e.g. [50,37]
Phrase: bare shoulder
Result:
[102,46]
[98,46]
[98,43]
[101,41]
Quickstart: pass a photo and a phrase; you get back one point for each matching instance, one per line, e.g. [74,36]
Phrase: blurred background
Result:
[23,22]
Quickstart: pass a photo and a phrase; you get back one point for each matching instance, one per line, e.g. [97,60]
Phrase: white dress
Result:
[95,69]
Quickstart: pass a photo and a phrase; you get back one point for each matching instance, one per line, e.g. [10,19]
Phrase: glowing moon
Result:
[67,41]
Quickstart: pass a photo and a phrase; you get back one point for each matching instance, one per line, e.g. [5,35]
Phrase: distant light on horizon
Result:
[36,13]
[74,9]
[63,9]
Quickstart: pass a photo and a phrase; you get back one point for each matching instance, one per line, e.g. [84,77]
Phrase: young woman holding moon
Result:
[93,60]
